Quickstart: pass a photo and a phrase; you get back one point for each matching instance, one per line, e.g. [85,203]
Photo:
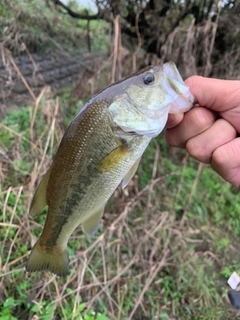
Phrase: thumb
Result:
[215,94]
[221,96]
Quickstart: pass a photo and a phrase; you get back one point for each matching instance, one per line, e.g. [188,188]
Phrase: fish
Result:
[101,149]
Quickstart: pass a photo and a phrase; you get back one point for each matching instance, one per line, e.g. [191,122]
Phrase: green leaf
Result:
[10,302]
[102,317]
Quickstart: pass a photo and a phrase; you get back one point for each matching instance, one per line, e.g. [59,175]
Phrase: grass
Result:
[165,248]
[166,245]
[39,26]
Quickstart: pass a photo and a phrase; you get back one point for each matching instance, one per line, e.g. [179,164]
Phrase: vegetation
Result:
[165,248]
[200,36]
[166,245]
[34,25]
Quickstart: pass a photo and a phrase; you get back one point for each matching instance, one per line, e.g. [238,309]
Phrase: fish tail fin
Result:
[56,261]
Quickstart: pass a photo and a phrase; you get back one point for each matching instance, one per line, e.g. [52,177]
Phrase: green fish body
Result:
[101,148]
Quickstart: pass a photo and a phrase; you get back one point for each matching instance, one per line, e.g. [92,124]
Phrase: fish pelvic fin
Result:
[90,225]
[39,200]
[41,259]
[130,174]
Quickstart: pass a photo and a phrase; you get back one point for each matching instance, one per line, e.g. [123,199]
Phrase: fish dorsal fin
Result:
[110,161]
[90,225]
[130,174]
[39,200]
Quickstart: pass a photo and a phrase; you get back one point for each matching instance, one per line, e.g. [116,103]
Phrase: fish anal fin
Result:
[39,201]
[130,174]
[90,225]
[56,261]
[111,160]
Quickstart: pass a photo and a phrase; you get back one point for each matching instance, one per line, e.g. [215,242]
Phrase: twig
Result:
[134,56]
[194,186]
[19,135]
[77,15]
[149,281]
[51,131]
[22,78]
[116,47]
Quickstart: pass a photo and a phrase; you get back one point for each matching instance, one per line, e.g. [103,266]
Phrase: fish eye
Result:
[148,78]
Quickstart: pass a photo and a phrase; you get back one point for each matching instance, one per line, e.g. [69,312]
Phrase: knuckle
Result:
[201,118]
[227,128]
[197,150]
[220,156]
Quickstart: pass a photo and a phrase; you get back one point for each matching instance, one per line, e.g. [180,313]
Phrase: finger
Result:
[215,94]
[226,161]
[174,120]
[195,121]
[202,146]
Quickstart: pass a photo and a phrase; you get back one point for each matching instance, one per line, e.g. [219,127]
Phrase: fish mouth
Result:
[119,132]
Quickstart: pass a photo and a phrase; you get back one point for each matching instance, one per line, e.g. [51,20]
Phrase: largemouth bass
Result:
[101,148]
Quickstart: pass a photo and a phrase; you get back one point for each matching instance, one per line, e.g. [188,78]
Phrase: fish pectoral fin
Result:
[130,174]
[111,160]
[90,225]
[39,200]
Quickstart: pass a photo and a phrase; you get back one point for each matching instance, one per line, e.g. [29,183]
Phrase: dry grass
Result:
[147,253]
[166,244]
[150,247]
[143,260]
[85,277]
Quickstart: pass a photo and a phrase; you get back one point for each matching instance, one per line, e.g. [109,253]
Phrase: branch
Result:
[76,15]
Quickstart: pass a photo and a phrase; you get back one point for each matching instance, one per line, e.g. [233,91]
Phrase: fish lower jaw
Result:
[176,109]
[120,133]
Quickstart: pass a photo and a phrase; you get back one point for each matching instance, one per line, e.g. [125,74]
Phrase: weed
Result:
[162,251]
[37,25]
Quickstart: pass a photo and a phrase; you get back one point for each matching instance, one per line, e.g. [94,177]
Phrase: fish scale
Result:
[101,148]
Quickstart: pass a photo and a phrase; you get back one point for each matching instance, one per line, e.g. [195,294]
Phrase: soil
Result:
[57,70]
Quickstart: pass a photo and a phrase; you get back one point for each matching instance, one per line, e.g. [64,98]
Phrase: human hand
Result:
[209,131]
